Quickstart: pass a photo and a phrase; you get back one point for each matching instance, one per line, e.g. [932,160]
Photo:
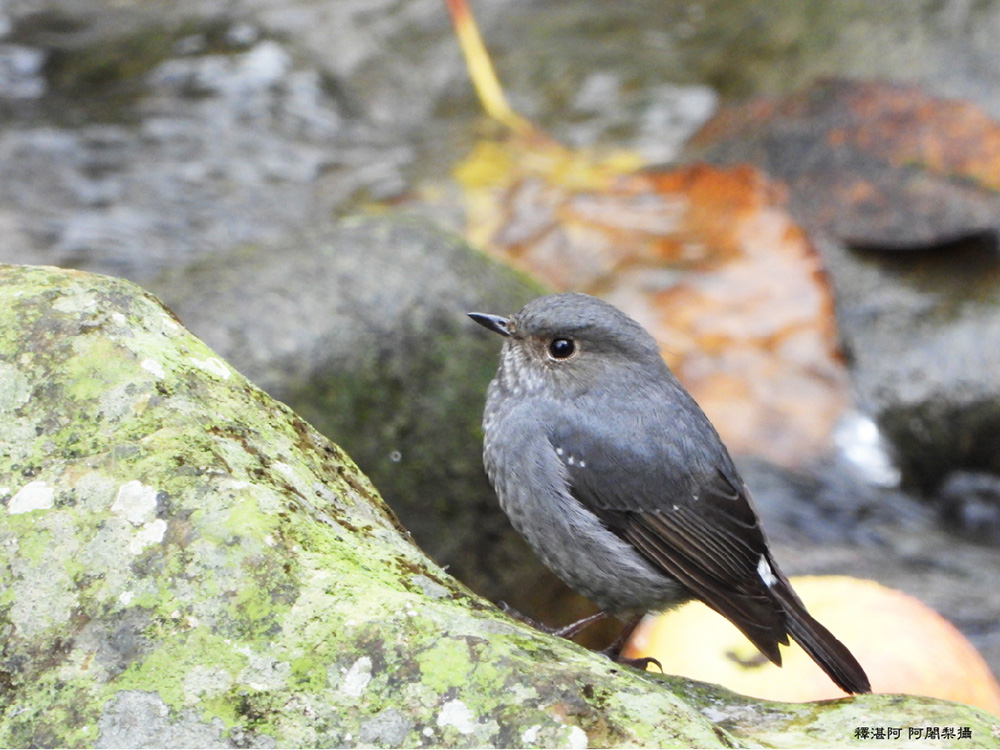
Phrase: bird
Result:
[621,485]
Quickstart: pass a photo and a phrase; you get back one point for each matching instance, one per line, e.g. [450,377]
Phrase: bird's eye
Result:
[561,348]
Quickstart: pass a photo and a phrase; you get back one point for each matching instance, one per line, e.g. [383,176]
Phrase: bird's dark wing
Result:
[703,552]
[677,498]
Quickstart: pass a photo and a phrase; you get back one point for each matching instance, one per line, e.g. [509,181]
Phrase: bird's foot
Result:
[614,651]
[641,663]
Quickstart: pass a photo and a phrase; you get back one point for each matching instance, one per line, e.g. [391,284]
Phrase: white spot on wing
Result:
[765,572]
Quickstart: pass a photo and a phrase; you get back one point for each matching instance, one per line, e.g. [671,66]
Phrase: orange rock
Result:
[904,646]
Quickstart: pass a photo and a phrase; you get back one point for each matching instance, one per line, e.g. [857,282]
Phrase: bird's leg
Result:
[614,651]
[566,631]
[509,610]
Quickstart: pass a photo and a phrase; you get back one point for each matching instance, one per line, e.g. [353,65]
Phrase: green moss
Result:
[308,674]
[221,707]
[101,368]
[51,713]
[245,519]
[445,664]
[255,613]
[34,540]
[104,78]
[165,669]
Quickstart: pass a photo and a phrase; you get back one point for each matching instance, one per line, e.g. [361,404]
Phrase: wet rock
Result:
[872,164]
[828,502]
[213,150]
[922,334]
[21,72]
[971,501]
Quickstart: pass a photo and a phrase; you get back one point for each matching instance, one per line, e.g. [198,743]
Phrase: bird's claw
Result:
[642,663]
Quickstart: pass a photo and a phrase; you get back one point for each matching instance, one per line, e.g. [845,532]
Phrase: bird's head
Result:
[565,343]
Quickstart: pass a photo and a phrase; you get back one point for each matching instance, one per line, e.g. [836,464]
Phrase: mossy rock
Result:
[185,562]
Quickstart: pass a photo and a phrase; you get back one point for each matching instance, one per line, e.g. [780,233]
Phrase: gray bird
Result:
[620,484]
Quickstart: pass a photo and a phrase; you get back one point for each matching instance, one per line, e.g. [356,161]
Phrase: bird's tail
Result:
[822,646]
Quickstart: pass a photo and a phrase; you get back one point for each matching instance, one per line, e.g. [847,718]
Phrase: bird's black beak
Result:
[496,323]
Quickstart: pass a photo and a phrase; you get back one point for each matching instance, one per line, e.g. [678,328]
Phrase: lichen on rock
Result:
[185,562]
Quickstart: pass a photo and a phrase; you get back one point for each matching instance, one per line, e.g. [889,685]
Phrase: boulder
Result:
[186,562]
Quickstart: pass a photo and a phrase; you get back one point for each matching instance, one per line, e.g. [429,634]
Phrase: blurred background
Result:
[800,200]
